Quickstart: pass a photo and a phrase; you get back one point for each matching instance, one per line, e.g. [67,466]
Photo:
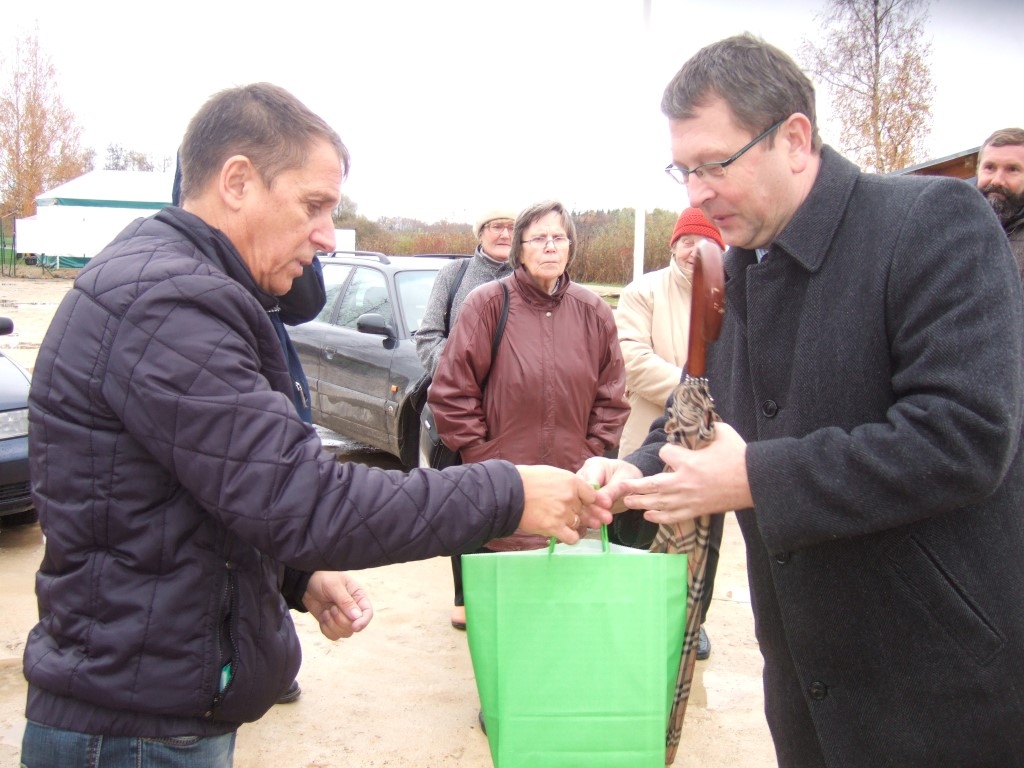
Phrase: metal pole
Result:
[640,211]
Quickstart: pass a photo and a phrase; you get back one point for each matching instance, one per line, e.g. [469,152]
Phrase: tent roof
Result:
[112,189]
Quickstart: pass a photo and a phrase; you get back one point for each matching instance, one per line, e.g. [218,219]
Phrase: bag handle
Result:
[605,548]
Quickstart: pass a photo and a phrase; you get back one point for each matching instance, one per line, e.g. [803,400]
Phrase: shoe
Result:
[480,719]
[459,617]
[703,645]
[292,694]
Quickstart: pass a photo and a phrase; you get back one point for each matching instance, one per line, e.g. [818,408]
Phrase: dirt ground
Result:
[401,693]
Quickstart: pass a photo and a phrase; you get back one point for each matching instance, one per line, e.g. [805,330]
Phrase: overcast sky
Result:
[455,106]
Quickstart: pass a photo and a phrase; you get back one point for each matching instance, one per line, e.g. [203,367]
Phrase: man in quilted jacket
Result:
[186,505]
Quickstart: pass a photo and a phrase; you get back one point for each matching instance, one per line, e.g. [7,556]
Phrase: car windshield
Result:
[413,292]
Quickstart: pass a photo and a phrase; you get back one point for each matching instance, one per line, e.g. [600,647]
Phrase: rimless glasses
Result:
[716,170]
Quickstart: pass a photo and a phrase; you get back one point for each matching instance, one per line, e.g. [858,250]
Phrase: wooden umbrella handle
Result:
[707,306]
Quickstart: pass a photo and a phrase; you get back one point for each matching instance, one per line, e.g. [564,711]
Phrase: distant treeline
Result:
[604,247]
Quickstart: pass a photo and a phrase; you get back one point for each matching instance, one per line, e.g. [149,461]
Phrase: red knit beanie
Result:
[693,222]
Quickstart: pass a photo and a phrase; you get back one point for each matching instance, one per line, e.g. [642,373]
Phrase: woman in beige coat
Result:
[653,321]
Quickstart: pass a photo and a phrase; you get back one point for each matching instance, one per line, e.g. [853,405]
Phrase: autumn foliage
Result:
[40,140]
[874,62]
[604,240]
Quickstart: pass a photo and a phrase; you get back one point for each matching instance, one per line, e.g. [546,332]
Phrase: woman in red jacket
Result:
[554,392]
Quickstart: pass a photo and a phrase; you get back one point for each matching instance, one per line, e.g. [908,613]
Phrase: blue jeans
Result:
[45,747]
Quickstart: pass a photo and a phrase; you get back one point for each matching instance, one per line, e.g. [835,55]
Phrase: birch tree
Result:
[874,62]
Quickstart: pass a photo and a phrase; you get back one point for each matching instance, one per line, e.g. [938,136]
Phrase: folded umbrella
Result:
[691,422]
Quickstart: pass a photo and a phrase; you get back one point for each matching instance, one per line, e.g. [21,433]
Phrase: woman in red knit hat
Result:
[653,321]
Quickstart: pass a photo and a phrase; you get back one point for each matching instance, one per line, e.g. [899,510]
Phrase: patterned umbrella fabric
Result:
[691,423]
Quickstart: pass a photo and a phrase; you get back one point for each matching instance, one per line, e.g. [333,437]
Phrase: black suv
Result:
[359,354]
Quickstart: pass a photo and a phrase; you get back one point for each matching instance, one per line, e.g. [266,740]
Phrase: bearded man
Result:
[1001,181]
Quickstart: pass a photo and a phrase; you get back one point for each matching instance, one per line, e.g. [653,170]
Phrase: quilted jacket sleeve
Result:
[189,375]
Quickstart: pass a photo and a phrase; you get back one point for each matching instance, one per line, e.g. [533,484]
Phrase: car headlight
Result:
[14,423]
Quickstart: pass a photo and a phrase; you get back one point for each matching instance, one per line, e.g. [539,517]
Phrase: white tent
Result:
[75,220]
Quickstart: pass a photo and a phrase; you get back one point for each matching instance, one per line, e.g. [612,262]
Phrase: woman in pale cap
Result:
[493,231]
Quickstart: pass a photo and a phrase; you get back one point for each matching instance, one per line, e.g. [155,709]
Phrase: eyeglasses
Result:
[497,227]
[541,241]
[714,171]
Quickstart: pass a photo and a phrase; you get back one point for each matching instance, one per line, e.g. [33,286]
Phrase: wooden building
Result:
[962,165]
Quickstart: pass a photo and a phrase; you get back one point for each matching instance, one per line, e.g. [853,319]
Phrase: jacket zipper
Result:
[226,673]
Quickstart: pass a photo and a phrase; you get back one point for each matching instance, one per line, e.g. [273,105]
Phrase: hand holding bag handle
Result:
[605,547]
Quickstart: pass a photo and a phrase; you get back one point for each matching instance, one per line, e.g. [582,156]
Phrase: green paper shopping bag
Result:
[575,651]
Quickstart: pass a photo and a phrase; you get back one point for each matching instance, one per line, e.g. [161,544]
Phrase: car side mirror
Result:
[374,322]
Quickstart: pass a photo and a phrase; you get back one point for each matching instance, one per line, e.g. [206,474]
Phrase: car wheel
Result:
[19,518]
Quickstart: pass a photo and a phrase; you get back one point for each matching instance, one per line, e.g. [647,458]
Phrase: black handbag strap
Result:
[499,331]
[451,295]
[441,456]
[418,396]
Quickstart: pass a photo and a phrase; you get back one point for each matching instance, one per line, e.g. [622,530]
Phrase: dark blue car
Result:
[15,499]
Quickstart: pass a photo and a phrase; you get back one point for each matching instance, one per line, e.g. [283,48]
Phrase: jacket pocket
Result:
[921,572]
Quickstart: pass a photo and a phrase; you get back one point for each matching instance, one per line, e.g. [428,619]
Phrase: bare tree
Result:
[121,159]
[874,62]
[40,140]
[346,212]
